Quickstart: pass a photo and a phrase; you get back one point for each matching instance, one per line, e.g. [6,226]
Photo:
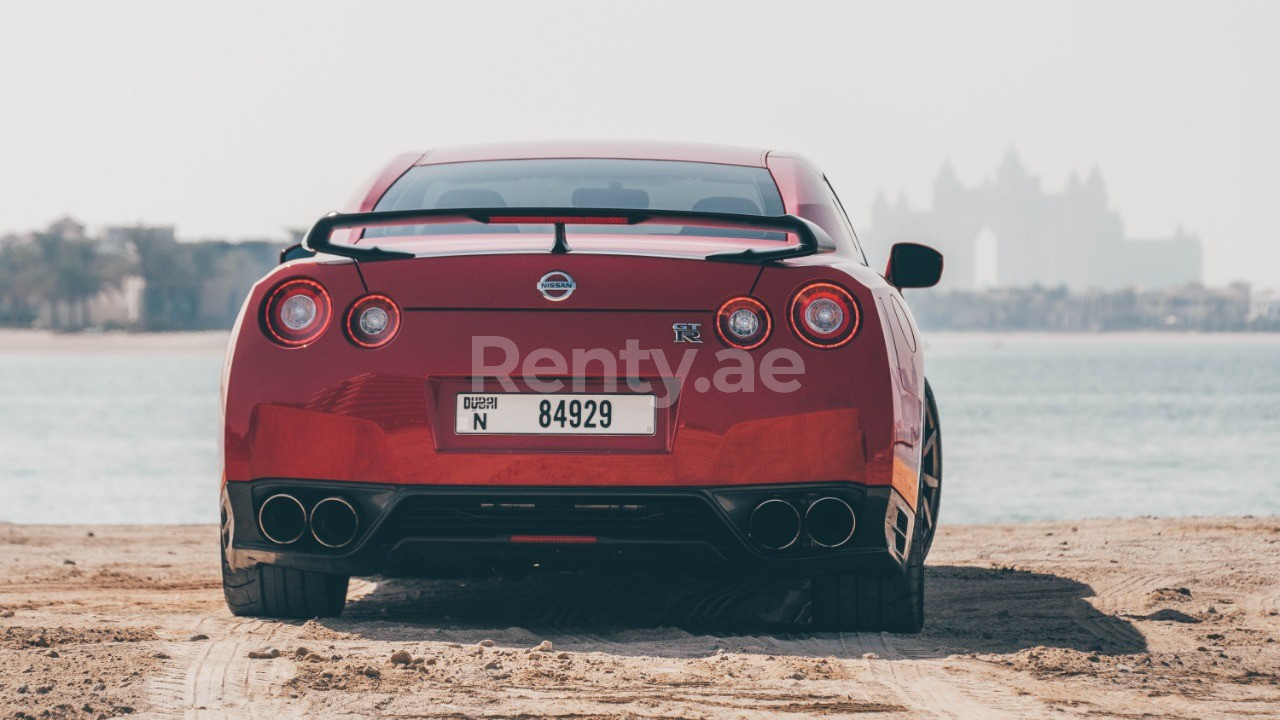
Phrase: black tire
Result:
[930,469]
[276,592]
[853,602]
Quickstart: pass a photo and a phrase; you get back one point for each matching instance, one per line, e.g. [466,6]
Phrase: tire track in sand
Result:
[926,687]
[208,679]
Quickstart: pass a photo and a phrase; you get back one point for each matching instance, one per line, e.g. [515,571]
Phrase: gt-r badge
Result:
[556,285]
[688,332]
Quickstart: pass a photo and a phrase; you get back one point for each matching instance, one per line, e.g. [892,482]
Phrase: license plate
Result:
[554,414]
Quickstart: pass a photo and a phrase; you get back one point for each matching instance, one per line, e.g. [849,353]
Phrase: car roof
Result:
[620,149]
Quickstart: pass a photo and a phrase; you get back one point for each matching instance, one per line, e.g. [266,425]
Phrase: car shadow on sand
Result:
[968,609]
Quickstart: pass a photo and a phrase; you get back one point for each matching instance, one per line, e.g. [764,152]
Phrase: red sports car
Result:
[583,355]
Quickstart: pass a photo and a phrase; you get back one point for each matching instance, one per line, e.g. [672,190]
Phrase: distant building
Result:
[118,306]
[1008,232]
[1265,306]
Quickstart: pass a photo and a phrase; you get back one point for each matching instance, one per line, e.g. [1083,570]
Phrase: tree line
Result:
[50,278]
[59,269]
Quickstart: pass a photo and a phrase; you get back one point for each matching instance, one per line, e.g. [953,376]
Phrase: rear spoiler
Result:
[811,237]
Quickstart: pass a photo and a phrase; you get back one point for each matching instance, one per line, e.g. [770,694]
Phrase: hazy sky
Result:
[240,119]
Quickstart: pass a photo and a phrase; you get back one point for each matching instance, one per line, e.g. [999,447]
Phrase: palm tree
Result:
[172,276]
[73,272]
[20,276]
[48,282]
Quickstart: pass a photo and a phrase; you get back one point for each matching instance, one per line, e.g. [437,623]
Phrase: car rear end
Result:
[493,400]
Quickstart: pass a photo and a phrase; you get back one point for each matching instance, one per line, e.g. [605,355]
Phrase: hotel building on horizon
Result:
[1008,232]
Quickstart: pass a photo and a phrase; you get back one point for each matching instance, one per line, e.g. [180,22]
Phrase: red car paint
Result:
[335,411]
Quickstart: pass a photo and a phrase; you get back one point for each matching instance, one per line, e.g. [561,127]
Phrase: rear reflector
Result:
[743,323]
[373,321]
[549,219]
[561,539]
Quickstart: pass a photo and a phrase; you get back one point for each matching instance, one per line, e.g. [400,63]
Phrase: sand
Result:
[1106,618]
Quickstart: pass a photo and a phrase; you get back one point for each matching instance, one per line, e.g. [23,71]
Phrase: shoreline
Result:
[21,341]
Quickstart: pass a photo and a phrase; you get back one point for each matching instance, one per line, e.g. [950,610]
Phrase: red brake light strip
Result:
[561,539]
[552,219]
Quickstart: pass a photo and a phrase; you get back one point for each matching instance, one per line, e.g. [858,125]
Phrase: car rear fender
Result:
[879,370]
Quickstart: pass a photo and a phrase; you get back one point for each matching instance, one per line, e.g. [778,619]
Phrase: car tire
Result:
[855,602]
[930,497]
[276,592]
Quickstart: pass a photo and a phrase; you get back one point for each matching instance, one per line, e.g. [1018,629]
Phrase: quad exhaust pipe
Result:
[284,520]
[775,524]
[334,522]
[828,522]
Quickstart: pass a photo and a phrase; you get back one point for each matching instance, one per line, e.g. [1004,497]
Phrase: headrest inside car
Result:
[461,199]
[726,204]
[614,196]
[470,198]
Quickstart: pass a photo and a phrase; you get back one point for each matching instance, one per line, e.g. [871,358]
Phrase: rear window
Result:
[584,183]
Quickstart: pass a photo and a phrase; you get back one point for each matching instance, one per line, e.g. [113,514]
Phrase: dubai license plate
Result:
[554,414]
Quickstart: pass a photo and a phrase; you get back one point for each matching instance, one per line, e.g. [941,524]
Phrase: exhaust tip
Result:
[830,522]
[334,522]
[282,519]
[775,524]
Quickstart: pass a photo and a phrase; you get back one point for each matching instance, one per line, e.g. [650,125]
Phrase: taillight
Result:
[297,312]
[743,323]
[824,315]
[373,321]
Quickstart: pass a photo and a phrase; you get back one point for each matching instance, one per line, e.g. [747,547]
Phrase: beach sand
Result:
[1147,618]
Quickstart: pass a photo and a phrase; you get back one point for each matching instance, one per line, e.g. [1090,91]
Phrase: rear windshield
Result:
[584,183]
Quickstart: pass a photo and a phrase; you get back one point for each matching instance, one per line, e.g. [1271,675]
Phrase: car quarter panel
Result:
[897,384]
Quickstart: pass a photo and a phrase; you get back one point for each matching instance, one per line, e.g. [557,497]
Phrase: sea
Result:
[1034,427]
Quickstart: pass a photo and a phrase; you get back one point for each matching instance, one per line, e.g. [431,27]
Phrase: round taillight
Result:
[296,312]
[824,315]
[743,322]
[373,321]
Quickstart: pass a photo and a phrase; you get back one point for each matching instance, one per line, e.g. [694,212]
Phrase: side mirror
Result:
[913,266]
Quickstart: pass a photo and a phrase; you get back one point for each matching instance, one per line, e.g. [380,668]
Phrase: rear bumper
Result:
[467,531]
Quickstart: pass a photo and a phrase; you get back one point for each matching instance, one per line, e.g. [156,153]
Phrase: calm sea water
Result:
[1034,427]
